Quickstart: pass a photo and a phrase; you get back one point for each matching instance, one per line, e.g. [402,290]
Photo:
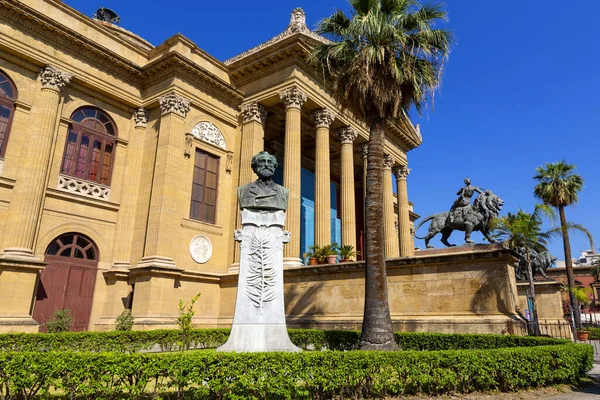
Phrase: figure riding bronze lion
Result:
[468,219]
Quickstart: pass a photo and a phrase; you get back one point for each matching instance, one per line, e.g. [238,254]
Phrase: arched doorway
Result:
[68,280]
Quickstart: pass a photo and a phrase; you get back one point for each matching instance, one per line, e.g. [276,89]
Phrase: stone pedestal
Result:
[259,317]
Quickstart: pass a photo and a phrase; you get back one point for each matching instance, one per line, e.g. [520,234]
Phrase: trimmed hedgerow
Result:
[168,340]
[594,333]
[329,374]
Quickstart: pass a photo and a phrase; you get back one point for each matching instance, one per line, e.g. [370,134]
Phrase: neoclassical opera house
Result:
[120,160]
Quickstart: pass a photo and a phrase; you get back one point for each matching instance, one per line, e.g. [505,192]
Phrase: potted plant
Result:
[331,253]
[312,255]
[320,253]
[583,334]
[347,252]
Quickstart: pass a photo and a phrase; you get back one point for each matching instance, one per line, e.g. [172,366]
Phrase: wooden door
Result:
[68,280]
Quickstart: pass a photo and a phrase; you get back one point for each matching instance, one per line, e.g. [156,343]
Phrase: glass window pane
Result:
[4,117]
[5,89]
[103,118]
[90,254]
[81,241]
[197,192]
[78,253]
[210,196]
[200,160]
[209,213]
[69,156]
[89,112]
[199,176]
[195,210]
[65,252]
[95,160]
[211,180]
[82,157]
[53,248]
[66,239]
[213,164]
[109,128]
[78,116]
[106,163]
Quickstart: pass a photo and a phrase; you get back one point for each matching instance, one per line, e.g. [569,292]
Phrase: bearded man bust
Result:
[263,194]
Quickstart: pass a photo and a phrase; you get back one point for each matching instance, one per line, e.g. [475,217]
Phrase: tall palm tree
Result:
[559,187]
[523,233]
[384,58]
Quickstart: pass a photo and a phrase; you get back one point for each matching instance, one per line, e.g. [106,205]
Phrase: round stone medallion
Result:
[201,249]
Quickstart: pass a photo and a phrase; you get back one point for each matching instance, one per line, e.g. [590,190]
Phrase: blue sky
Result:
[521,89]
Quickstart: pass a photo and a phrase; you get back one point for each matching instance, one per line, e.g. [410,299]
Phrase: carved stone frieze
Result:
[401,172]
[84,188]
[254,112]
[54,79]
[174,103]
[209,133]
[323,118]
[293,97]
[140,116]
[229,163]
[388,161]
[346,135]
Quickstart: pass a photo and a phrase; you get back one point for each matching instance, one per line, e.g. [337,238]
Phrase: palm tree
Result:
[383,59]
[522,232]
[559,187]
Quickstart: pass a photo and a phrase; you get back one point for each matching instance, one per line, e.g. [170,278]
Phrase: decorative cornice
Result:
[297,25]
[50,31]
[254,112]
[293,97]
[54,79]
[173,62]
[140,116]
[346,135]
[323,118]
[364,150]
[401,172]
[174,103]
[388,161]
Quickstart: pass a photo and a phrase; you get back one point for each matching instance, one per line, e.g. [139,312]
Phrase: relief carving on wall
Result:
[201,249]
[209,133]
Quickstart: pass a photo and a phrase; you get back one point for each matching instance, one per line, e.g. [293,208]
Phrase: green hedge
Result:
[352,374]
[133,341]
[594,333]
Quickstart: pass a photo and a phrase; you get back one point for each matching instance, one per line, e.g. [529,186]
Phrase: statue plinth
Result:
[259,317]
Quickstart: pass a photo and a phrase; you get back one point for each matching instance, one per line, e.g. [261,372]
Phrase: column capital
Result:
[346,135]
[364,150]
[401,172]
[323,118]
[140,116]
[388,161]
[293,97]
[54,79]
[174,103]
[254,112]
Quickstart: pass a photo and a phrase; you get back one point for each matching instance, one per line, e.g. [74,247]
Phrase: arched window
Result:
[90,146]
[8,95]
[73,245]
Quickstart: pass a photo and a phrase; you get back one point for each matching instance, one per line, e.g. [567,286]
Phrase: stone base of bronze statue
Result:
[259,317]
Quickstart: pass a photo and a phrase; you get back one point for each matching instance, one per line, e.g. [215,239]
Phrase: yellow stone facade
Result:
[167,102]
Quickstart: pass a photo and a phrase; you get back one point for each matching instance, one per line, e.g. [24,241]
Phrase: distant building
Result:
[582,269]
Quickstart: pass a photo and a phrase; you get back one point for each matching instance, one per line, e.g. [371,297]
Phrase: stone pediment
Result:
[297,29]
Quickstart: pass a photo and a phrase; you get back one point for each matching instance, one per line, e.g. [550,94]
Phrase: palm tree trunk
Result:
[569,267]
[377,332]
[534,315]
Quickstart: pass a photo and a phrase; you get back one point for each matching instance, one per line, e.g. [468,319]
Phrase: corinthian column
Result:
[19,268]
[323,119]
[28,193]
[407,246]
[364,152]
[164,214]
[389,229]
[293,99]
[346,136]
[133,169]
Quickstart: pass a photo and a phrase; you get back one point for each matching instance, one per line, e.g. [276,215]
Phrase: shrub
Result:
[60,322]
[124,321]
[168,340]
[352,374]
[186,314]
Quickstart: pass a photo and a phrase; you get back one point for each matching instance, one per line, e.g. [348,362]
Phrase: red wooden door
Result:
[68,281]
